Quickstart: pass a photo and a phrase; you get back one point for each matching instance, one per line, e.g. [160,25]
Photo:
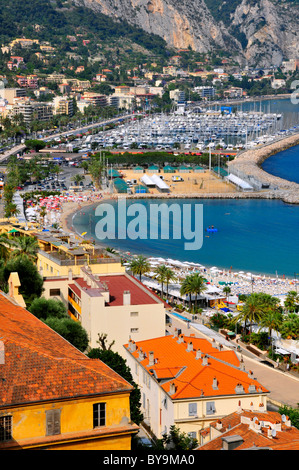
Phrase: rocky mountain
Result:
[256,32]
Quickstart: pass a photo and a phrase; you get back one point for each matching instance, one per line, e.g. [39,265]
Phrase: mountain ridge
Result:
[256,32]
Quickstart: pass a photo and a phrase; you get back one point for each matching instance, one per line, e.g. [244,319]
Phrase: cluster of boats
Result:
[200,131]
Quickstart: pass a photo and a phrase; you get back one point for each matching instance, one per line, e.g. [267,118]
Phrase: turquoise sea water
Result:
[259,236]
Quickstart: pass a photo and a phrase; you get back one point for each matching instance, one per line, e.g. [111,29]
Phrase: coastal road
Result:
[283,387]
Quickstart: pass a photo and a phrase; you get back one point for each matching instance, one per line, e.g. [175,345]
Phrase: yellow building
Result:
[52,396]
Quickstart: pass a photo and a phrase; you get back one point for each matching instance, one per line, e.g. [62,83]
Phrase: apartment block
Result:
[189,382]
[115,304]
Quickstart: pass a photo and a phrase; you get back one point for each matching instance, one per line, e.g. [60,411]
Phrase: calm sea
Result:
[259,236]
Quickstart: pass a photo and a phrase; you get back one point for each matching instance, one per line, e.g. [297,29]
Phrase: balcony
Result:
[79,259]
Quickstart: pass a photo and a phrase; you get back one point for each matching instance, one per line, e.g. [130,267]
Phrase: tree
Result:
[30,279]
[252,310]
[169,276]
[291,302]
[70,330]
[25,247]
[271,320]
[5,244]
[227,291]
[198,285]
[139,266]
[119,365]
[161,275]
[177,440]
[187,288]
[44,308]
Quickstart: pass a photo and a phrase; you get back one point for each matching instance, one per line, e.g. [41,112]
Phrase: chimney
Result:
[151,360]
[205,361]
[239,410]
[176,333]
[70,275]
[218,424]
[181,339]
[127,297]
[231,442]
[262,408]
[190,346]
[251,388]
[215,383]
[133,346]
[172,388]
[198,354]
[251,406]
[239,388]
[141,355]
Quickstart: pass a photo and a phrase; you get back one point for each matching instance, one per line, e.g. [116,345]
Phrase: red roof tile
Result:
[41,365]
[190,377]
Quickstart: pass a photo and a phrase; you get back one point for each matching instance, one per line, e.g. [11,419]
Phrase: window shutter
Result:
[56,419]
[53,422]
[192,409]
[50,423]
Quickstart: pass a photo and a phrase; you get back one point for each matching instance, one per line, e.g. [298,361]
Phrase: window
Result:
[5,428]
[210,407]
[136,369]
[52,422]
[99,415]
[134,314]
[54,292]
[192,434]
[192,409]
[134,330]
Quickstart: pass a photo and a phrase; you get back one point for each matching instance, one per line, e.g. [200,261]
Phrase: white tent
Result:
[239,182]
[159,183]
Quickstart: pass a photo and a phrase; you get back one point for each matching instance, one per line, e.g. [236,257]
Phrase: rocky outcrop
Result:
[258,32]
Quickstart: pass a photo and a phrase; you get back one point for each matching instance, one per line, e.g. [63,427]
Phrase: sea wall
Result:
[249,163]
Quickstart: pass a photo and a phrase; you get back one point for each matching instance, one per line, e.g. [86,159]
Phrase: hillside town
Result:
[103,348]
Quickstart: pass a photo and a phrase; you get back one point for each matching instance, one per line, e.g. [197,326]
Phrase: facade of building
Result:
[116,305]
[52,396]
[33,111]
[189,382]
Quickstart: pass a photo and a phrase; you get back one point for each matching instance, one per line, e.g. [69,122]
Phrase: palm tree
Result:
[139,266]
[5,244]
[187,288]
[169,276]
[25,246]
[161,275]
[227,291]
[252,310]
[291,302]
[198,286]
[271,320]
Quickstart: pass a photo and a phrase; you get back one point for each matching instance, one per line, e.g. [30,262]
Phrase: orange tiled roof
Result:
[41,365]
[190,377]
[286,438]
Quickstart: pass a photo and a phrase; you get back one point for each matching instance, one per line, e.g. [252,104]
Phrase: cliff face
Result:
[257,32]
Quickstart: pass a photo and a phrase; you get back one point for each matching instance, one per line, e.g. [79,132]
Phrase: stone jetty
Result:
[249,163]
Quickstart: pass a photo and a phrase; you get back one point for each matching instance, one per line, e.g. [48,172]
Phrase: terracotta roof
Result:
[243,424]
[191,378]
[41,365]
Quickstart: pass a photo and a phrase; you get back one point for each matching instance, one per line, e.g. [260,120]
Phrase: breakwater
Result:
[247,165]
